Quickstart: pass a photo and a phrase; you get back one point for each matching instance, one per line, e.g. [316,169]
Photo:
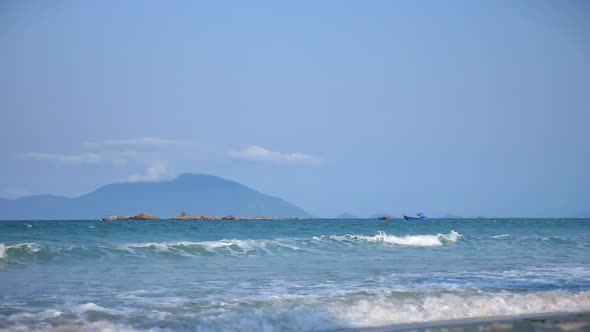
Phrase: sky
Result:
[465,108]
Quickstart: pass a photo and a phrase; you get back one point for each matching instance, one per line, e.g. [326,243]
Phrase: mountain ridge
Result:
[189,192]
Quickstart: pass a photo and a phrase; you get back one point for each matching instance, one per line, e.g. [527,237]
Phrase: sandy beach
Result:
[558,321]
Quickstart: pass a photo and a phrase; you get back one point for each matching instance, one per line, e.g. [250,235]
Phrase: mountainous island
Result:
[198,193]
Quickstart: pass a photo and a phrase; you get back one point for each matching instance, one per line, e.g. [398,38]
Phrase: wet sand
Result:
[545,322]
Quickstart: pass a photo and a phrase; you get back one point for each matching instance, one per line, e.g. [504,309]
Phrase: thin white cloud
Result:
[156,151]
[153,173]
[83,158]
[260,154]
[102,157]
[143,142]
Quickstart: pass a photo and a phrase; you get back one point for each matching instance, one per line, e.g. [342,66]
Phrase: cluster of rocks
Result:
[186,216]
[141,216]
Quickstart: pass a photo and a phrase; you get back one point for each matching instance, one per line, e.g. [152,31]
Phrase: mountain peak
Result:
[195,193]
[192,176]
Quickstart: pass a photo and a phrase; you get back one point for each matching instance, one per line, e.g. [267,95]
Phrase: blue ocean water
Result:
[300,275]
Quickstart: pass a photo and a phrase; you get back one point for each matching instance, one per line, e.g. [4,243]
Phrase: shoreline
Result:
[550,321]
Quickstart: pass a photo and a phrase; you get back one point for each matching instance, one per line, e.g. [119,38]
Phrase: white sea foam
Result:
[261,246]
[384,310]
[236,247]
[501,236]
[406,240]
[90,306]
[35,316]
[310,313]
[23,248]
[233,247]
[94,326]
[27,246]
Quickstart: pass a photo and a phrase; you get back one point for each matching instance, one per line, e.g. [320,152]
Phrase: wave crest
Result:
[26,252]
[19,250]
[407,240]
[231,247]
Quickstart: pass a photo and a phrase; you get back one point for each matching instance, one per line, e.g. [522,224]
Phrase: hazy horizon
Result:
[343,214]
[337,107]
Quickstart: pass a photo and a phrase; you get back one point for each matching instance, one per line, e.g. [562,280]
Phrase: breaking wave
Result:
[21,250]
[26,251]
[230,247]
[407,240]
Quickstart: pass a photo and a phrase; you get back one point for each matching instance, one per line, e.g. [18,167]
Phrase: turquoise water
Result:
[303,275]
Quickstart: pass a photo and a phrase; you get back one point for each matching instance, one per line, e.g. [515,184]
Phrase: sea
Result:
[286,275]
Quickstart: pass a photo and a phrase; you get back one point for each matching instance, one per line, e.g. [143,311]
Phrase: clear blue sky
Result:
[462,107]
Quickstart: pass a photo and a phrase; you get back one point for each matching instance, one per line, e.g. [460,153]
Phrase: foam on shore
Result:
[311,313]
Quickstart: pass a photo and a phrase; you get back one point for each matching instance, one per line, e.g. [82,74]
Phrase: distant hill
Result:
[192,193]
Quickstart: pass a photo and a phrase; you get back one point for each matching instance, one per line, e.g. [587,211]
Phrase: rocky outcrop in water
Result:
[186,216]
[141,216]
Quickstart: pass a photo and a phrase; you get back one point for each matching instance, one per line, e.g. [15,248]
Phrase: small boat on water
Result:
[419,216]
[384,218]
[229,218]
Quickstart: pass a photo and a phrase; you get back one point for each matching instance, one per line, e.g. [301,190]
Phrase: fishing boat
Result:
[384,218]
[419,216]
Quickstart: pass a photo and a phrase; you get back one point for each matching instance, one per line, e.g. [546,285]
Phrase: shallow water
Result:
[301,275]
